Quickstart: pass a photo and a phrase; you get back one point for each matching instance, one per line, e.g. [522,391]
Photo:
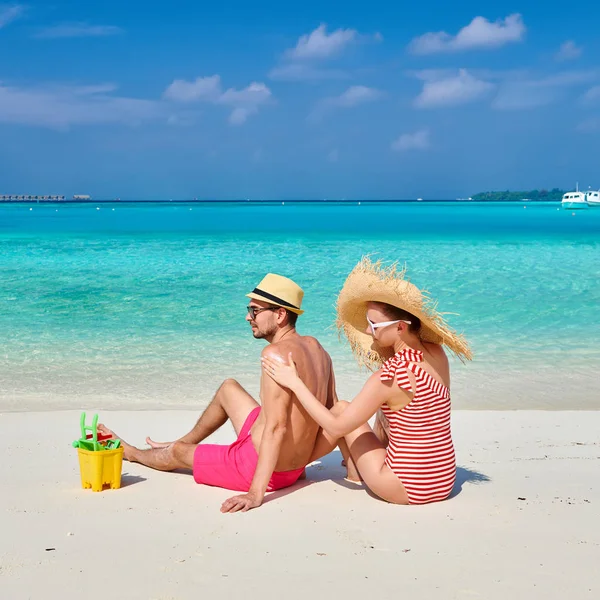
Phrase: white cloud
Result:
[592,96]
[298,63]
[419,140]
[244,102]
[354,96]
[75,30]
[86,90]
[182,119]
[203,88]
[320,44]
[523,94]
[479,33]
[61,107]
[453,90]
[254,94]
[304,72]
[9,13]
[569,50]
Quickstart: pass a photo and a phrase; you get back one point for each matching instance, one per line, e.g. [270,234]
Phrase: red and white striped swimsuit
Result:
[420,451]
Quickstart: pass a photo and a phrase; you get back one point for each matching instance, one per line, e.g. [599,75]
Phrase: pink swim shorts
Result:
[232,467]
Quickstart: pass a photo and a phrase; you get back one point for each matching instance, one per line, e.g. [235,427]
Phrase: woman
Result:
[390,325]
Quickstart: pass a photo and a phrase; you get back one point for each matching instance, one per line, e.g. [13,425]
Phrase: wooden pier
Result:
[29,198]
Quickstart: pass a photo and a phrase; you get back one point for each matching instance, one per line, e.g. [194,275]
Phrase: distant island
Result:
[507,196]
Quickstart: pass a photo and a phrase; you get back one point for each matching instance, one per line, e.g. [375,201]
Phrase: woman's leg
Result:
[325,443]
[368,454]
[382,428]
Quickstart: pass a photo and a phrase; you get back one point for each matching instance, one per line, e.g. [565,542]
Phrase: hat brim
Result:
[254,296]
[370,282]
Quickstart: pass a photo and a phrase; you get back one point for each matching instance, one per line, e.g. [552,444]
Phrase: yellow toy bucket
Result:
[100,469]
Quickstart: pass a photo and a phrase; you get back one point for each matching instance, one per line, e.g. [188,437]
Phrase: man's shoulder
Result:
[282,348]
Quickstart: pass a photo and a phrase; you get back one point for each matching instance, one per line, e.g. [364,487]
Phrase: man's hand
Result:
[243,502]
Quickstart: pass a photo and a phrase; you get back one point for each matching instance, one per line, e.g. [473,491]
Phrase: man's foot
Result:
[156,445]
[127,448]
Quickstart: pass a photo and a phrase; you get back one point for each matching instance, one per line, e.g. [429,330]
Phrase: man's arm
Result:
[276,403]
[332,397]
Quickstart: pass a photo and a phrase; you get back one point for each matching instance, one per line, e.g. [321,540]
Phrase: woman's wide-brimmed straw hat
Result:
[372,282]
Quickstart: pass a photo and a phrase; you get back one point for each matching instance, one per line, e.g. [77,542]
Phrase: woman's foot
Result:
[352,473]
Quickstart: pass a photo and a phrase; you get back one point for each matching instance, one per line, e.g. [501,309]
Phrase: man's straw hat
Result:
[279,291]
[371,282]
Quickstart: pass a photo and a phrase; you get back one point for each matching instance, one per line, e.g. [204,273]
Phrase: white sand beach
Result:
[523,521]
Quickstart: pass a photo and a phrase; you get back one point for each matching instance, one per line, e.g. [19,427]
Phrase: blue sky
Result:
[305,100]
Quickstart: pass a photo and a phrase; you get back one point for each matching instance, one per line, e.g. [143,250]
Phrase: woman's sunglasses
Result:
[375,326]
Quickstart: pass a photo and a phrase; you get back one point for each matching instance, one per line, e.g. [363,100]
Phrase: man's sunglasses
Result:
[254,310]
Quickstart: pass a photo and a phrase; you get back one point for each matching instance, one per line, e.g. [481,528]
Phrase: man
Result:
[276,439]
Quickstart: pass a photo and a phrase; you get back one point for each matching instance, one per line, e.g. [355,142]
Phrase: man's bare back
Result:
[315,369]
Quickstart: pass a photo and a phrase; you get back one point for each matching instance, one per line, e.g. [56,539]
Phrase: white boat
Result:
[574,200]
[593,198]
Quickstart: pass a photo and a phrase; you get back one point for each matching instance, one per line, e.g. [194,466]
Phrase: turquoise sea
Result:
[142,305]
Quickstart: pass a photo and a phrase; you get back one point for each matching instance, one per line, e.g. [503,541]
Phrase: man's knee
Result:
[177,450]
[229,384]
[181,455]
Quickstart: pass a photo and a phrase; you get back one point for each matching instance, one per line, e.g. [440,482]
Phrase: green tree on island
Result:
[508,196]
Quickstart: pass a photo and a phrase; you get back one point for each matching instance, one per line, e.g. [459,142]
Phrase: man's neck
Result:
[282,333]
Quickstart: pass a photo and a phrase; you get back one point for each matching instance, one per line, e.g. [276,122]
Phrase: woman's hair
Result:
[398,314]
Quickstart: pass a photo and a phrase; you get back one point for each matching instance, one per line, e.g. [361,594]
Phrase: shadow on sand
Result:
[127,480]
[329,467]
[464,475]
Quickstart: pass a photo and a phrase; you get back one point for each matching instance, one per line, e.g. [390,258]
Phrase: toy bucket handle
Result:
[93,429]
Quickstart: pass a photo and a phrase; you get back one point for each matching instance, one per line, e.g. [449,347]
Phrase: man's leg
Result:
[231,402]
[177,455]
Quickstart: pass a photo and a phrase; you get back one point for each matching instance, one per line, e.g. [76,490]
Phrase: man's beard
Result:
[261,334]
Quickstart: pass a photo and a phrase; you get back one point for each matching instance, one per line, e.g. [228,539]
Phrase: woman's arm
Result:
[359,411]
